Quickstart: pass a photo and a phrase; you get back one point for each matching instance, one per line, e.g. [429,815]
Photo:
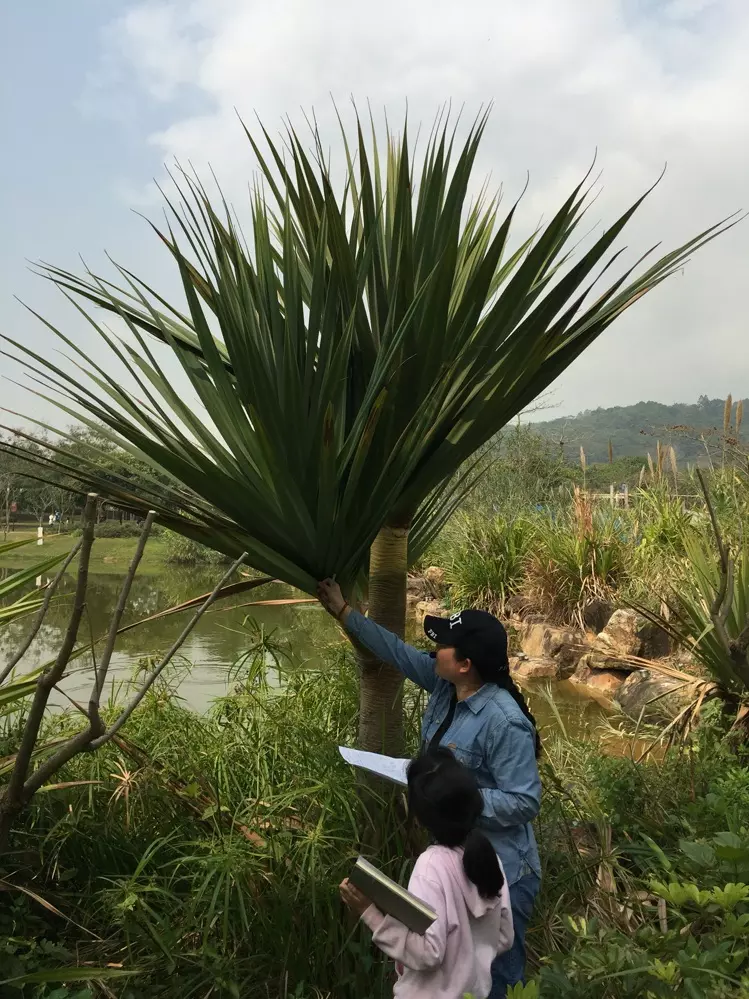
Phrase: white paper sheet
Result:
[389,767]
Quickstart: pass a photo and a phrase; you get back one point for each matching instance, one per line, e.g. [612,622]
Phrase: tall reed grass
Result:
[205,851]
[580,558]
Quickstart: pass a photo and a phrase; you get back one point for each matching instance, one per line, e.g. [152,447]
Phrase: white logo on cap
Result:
[455,619]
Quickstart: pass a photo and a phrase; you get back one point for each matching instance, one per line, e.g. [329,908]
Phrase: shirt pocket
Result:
[468,757]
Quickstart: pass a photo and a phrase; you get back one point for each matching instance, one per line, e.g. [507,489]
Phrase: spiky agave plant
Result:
[347,360]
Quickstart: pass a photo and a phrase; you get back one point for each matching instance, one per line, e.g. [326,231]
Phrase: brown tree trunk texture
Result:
[381,686]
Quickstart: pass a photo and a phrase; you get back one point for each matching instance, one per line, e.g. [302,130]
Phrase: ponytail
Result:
[481,864]
[505,681]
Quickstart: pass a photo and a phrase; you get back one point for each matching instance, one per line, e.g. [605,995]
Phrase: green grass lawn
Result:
[107,555]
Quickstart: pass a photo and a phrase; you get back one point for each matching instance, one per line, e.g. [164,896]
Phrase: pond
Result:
[203,667]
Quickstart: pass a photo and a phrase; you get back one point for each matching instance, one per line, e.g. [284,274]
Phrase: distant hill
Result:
[634,430]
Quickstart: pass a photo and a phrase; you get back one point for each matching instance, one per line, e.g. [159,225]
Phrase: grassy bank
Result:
[108,554]
[204,852]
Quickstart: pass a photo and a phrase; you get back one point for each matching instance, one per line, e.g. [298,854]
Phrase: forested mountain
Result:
[634,430]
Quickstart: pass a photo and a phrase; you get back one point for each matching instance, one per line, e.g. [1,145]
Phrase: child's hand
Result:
[353,898]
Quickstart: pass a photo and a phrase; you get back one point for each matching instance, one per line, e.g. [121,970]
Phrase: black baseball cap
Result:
[476,634]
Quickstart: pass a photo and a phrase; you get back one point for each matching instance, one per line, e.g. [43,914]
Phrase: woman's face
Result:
[449,667]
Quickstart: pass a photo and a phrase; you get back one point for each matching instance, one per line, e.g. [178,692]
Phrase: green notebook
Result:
[391,898]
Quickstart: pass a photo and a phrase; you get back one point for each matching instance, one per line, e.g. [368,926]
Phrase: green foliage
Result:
[212,857]
[729,495]
[182,550]
[665,520]
[709,611]
[117,529]
[599,476]
[27,948]
[207,852]
[604,962]
[348,359]
[616,837]
[522,469]
[484,560]
[633,430]
[578,559]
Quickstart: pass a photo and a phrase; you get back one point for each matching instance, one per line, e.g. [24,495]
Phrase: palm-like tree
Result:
[348,359]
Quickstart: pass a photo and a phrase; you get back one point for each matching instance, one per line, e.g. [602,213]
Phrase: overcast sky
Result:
[98,94]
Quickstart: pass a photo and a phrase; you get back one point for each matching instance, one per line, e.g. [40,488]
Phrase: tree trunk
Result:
[381,686]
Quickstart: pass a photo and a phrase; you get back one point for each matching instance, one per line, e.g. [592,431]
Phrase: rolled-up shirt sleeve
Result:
[416,665]
[511,758]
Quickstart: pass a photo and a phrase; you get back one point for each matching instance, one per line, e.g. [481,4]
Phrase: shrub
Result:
[484,560]
[184,551]
[578,559]
[117,529]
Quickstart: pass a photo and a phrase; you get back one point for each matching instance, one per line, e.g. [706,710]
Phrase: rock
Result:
[424,607]
[600,661]
[653,696]
[605,682]
[434,577]
[541,640]
[429,585]
[534,667]
[627,633]
[519,605]
[596,614]
[656,643]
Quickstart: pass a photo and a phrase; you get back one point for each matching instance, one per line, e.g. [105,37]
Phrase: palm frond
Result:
[345,362]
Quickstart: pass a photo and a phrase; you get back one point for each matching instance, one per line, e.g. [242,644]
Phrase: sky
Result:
[98,95]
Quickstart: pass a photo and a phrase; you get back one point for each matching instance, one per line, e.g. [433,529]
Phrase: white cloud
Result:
[643,81]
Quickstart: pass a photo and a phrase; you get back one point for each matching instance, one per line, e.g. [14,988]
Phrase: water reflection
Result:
[218,640]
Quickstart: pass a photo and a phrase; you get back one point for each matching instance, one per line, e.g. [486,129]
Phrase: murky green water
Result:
[202,670]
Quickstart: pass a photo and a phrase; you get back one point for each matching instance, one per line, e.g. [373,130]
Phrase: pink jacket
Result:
[454,956]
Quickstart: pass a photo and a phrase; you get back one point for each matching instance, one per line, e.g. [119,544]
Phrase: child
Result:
[460,877]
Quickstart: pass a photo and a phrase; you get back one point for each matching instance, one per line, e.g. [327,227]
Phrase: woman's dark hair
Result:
[445,798]
[492,671]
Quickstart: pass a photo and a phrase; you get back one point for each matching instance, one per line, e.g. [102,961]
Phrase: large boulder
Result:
[628,633]
[601,661]
[540,640]
[653,697]
[602,682]
[534,668]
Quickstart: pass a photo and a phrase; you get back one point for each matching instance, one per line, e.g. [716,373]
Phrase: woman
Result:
[475,710]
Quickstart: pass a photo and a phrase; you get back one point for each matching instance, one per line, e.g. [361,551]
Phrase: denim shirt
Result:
[489,734]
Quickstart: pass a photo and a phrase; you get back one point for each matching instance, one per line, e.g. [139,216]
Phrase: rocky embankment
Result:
[625,664]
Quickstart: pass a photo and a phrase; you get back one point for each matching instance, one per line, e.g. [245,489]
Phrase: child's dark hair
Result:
[445,798]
